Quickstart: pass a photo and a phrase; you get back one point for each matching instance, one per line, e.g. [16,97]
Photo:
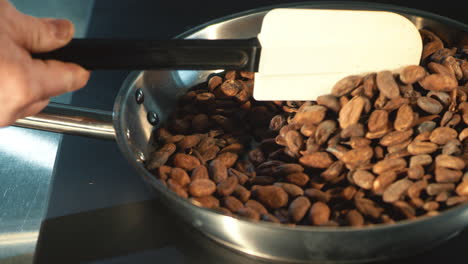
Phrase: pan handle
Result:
[71,120]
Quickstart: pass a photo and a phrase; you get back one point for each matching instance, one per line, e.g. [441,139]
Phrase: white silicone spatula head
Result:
[306,51]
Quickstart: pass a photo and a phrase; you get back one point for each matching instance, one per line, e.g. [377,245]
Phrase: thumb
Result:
[40,34]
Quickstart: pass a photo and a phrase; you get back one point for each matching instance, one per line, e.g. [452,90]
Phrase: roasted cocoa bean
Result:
[298,208]
[439,82]
[271,196]
[389,165]
[313,114]
[382,181]
[387,84]
[248,213]
[447,175]
[218,172]
[262,180]
[319,213]
[330,101]
[163,172]
[206,201]
[346,85]
[227,186]
[228,159]
[351,112]
[320,160]
[180,176]
[368,207]
[161,156]
[186,162]
[395,137]
[420,147]
[405,118]
[356,158]
[333,171]
[354,218]
[291,189]
[317,195]
[363,179]
[411,74]
[423,160]
[436,188]
[175,187]
[202,187]
[378,121]
[241,177]
[232,203]
[256,206]
[429,105]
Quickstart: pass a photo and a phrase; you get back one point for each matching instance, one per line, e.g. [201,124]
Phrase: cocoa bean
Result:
[420,147]
[405,118]
[202,187]
[248,213]
[218,171]
[389,165]
[346,85]
[271,196]
[232,203]
[429,105]
[319,213]
[180,176]
[368,207]
[351,112]
[186,162]
[227,186]
[317,195]
[298,208]
[160,157]
[387,84]
[447,175]
[436,188]
[396,190]
[411,74]
[442,135]
[256,206]
[316,160]
[206,201]
[363,179]
[355,218]
[291,189]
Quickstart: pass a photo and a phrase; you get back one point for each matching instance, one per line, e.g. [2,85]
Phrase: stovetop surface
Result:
[99,210]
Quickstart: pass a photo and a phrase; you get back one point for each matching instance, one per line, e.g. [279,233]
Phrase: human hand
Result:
[26,84]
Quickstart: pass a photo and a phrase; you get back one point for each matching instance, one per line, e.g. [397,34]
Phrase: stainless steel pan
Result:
[129,125]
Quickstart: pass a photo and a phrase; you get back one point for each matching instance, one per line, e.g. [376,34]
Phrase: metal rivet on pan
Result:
[127,133]
[153,118]
[141,157]
[139,96]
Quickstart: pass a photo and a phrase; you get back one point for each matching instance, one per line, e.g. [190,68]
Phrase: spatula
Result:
[298,55]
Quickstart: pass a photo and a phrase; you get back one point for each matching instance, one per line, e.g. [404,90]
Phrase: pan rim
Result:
[122,142]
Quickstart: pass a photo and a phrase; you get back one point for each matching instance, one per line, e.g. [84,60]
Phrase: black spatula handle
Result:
[191,54]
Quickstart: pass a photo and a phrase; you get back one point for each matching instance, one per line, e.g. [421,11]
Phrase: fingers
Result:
[26,88]
[27,84]
[55,77]
[36,34]
[33,108]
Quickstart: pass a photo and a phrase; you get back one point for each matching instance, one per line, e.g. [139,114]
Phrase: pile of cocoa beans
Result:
[379,148]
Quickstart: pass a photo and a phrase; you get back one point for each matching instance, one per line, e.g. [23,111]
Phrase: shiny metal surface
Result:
[27,157]
[71,120]
[298,244]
